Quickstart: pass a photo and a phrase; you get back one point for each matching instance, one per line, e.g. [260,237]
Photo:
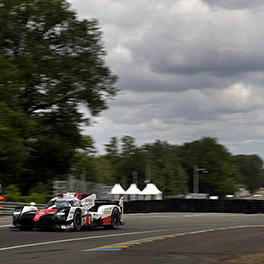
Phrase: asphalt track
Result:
[183,238]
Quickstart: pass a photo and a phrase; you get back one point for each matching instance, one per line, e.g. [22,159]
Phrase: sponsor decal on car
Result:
[43,212]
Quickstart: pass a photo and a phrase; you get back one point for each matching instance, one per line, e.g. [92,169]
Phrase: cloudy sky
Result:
[187,68]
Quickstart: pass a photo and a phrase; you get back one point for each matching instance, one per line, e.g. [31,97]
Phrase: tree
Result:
[131,165]
[84,161]
[105,171]
[128,145]
[109,164]
[166,169]
[208,153]
[111,149]
[251,171]
[60,61]
[84,167]
[88,145]
[14,125]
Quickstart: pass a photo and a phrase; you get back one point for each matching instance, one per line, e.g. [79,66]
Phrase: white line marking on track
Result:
[78,239]
[4,226]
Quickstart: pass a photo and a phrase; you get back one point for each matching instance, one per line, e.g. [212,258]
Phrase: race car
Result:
[70,211]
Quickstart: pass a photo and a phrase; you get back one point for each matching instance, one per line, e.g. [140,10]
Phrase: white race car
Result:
[70,211]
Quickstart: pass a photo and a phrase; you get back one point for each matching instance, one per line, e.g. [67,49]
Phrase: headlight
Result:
[17,213]
[61,214]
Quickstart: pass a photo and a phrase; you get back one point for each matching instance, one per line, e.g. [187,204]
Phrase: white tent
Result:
[151,192]
[133,193]
[117,191]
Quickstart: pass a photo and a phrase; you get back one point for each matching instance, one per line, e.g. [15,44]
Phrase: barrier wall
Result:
[176,205]
[196,205]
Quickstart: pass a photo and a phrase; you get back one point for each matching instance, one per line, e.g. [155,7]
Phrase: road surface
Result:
[183,238]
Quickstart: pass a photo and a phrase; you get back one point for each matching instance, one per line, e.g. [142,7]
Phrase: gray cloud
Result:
[235,4]
[180,37]
[188,68]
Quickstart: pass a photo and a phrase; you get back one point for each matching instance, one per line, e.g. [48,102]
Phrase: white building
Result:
[151,192]
[133,193]
[117,191]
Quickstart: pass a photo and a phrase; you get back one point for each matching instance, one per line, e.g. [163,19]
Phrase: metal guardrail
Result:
[5,211]
[6,208]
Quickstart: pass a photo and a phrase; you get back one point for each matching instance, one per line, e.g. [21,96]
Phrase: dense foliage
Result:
[52,65]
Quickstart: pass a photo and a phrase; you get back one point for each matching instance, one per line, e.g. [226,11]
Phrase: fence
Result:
[175,205]
[196,205]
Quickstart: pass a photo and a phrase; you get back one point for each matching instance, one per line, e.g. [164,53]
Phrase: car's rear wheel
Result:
[115,220]
[77,221]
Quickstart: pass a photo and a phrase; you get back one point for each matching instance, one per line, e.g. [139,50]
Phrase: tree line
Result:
[170,167]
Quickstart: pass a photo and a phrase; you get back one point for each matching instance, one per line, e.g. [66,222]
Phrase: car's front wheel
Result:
[77,221]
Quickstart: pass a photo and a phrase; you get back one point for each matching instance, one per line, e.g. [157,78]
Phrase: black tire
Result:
[77,221]
[115,220]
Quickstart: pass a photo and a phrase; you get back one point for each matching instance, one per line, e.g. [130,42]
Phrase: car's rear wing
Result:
[89,201]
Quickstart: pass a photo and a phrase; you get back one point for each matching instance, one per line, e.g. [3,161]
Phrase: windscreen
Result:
[59,203]
[62,203]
